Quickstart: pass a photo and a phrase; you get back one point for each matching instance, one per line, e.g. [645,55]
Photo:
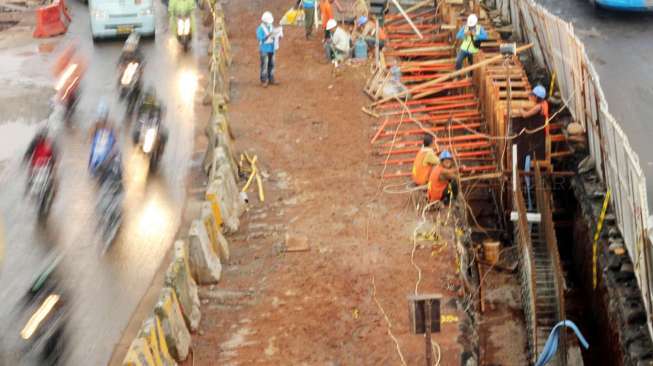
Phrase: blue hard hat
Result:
[445,155]
[539,92]
[362,20]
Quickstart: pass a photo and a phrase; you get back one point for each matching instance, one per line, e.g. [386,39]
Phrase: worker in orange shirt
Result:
[327,14]
[443,182]
[424,162]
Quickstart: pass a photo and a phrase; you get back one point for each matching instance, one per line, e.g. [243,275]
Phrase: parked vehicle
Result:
[113,18]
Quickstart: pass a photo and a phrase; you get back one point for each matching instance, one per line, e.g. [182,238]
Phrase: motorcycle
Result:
[150,139]
[184,34]
[129,84]
[102,145]
[41,188]
[45,316]
[66,88]
[109,209]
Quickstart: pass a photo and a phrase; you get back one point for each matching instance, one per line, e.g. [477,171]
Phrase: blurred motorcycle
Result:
[67,88]
[45,314]
[129,84]
[41,188]
[109,205]
[102,145]
[150,137]
[184,33]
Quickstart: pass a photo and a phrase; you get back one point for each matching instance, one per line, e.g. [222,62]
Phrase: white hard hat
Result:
[267,18]
[472,20]
[331,24]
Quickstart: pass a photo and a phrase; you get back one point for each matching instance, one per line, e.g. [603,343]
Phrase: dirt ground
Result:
[320,272]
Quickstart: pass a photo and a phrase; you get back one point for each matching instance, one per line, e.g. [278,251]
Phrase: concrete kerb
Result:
[204,262]
[179,278]
[177,336]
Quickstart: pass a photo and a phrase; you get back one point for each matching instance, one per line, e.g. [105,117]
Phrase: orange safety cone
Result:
[49,22]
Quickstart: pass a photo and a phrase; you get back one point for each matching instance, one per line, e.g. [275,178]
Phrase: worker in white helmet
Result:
[267,41]
[471,35]
[338,45]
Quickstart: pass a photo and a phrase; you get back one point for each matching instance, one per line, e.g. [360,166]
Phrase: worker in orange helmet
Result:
[424,162]
[443,184]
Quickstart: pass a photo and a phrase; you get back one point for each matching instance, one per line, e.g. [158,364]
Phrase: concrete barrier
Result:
[139,354]
[213,227]
[177,336]
[178,277]
[152,333]
[223,187]
[204,262]
[218,133]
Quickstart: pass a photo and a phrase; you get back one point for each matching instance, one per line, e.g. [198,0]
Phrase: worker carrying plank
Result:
[424,162]
[443,181]
[471,35]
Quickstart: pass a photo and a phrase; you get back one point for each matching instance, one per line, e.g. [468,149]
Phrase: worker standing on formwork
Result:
[309,15]
[443,184]
[267,37]
[424,162]
[471,35]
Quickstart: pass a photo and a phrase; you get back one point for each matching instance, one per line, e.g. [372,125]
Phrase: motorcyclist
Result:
[150,109]
[102,125]
[42,151]
[177,8]
[131,50]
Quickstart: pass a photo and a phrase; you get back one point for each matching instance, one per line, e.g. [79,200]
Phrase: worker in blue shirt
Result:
[309,15]
[471,35]
[265,33]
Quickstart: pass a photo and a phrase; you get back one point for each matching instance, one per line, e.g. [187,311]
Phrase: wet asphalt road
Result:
[106,290]
[621,47]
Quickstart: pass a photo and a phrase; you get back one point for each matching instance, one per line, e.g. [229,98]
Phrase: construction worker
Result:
[338,45]
[424,162]
[265,33]
[443,185]
[541,107]
[368,31]
[309,15]
[327,14]
[471,35]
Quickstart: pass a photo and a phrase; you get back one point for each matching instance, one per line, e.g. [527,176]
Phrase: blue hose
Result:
[551,345]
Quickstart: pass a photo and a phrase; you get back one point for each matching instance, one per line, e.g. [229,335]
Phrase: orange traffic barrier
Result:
[49,20]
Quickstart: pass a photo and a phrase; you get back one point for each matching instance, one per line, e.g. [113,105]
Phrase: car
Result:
[115,18]
[624,5]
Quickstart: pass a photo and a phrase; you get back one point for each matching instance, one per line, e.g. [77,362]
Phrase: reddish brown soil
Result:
[316,307]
